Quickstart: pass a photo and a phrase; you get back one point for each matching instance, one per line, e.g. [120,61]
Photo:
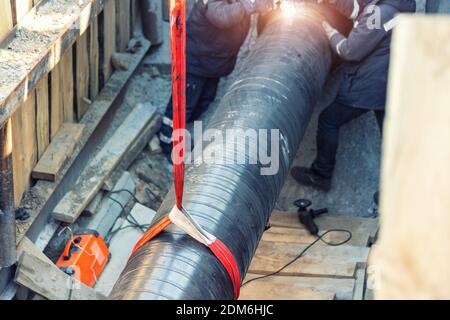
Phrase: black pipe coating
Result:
[277,88]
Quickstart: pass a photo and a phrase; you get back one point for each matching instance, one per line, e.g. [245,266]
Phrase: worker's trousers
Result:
[330,121]
[200,92]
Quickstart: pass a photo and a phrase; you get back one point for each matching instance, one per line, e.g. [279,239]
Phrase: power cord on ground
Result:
[304,251]
[133,223]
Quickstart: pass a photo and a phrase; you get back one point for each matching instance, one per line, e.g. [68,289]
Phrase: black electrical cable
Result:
[148,191]
[114,232]
[127,227]
[304,251]
[123,190]
[126,215]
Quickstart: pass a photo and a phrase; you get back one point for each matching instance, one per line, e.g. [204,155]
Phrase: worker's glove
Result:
[329,30]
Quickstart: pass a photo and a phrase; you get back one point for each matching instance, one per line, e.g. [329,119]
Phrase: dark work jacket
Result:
[366,54]
[438,6]
[216,30]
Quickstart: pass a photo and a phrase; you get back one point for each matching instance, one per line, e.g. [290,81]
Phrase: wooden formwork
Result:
[59,88]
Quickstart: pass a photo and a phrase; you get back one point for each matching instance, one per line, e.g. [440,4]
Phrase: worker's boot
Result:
[308,177]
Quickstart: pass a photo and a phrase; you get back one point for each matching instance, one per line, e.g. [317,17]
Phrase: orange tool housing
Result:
[84,257]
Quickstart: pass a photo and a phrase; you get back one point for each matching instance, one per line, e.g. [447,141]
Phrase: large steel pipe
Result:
[277,88]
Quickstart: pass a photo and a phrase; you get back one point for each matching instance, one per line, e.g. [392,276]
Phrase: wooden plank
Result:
[50,282]
[111,181]
[25,146]
[355,224]
[412,252]
[93,206]
[320,260]
[341,288]
[49,193]
[6,22]
[24,122]
[139,144]
[134,11]
[18,79]
[82,75]
[60,149]
[16,124]
[301,235]
[133,152]
[94,60]
[93,176]
[123,24]
[360,283]
[67,86]
[29,139]
[56,105]
[277,290]
[27,246]
[42,116]
[109,38]
[21,8]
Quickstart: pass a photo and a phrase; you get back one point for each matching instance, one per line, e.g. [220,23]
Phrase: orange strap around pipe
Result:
[178,45]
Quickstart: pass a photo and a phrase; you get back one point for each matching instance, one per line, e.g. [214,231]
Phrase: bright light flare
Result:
[289,8]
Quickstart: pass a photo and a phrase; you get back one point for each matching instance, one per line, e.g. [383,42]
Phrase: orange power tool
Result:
[85,256]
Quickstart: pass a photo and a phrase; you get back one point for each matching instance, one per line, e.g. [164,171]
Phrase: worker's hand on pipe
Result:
[329,30]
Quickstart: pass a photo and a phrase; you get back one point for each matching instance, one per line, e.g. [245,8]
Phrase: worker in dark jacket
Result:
[216,30]
[365,54]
